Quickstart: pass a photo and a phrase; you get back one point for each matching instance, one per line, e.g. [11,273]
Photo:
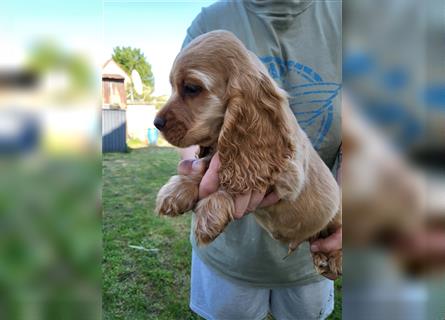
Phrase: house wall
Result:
[139,119]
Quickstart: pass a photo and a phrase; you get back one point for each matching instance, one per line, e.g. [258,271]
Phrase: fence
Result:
[114,130]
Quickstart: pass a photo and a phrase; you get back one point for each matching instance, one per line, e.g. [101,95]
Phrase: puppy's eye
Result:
[191,90]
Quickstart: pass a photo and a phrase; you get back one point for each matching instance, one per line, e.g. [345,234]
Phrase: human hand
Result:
[329,244]
[424,246]
[244,203]
[329,248]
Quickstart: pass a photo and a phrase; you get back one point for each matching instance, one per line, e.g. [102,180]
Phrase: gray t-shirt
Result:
[300,44]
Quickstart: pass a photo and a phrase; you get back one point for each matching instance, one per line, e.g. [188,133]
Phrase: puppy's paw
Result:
[328,265]
[178,195]
[212,214]
[336,262]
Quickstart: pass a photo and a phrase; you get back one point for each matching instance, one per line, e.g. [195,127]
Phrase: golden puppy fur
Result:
[224,101]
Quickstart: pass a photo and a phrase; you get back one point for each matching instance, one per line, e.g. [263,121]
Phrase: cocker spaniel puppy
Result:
[224,101]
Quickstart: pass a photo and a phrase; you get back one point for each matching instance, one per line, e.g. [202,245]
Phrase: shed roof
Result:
[112,76]
[112,70]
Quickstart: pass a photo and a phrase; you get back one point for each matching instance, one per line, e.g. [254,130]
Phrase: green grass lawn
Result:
[146,259]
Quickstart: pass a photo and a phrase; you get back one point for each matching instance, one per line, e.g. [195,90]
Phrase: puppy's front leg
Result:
[178,195]
[212,214]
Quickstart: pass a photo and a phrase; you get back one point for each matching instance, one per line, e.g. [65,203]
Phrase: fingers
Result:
[255,200]
[185,167]
[191,166]
[210,181]
[329,244]
[422,244]
[269,200]
[247,202]
[241,203]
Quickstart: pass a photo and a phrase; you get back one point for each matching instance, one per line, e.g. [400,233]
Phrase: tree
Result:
[133,59]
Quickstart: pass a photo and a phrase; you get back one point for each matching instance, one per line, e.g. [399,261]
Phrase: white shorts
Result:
[216,298]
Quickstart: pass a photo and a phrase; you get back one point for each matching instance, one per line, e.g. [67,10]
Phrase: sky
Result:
[158,28]
[94,27]
[74,25]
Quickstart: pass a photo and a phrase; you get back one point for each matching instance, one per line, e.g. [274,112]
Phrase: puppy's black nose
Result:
[159,123]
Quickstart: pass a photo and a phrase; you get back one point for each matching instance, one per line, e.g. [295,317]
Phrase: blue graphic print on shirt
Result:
[310,97]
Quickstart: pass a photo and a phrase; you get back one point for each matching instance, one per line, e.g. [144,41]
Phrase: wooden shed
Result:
[113,85]
[113,91]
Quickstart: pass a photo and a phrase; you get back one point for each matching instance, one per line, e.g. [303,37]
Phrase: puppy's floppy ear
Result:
[254,143]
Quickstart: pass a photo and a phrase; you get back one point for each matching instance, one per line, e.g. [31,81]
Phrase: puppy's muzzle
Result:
[159,123]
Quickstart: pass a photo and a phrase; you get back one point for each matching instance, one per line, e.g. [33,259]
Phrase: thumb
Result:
[329,244]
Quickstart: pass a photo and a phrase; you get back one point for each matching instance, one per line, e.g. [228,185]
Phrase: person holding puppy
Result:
[242,274]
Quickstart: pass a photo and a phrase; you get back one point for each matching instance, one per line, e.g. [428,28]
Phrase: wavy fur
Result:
[239,112]
[254,144]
